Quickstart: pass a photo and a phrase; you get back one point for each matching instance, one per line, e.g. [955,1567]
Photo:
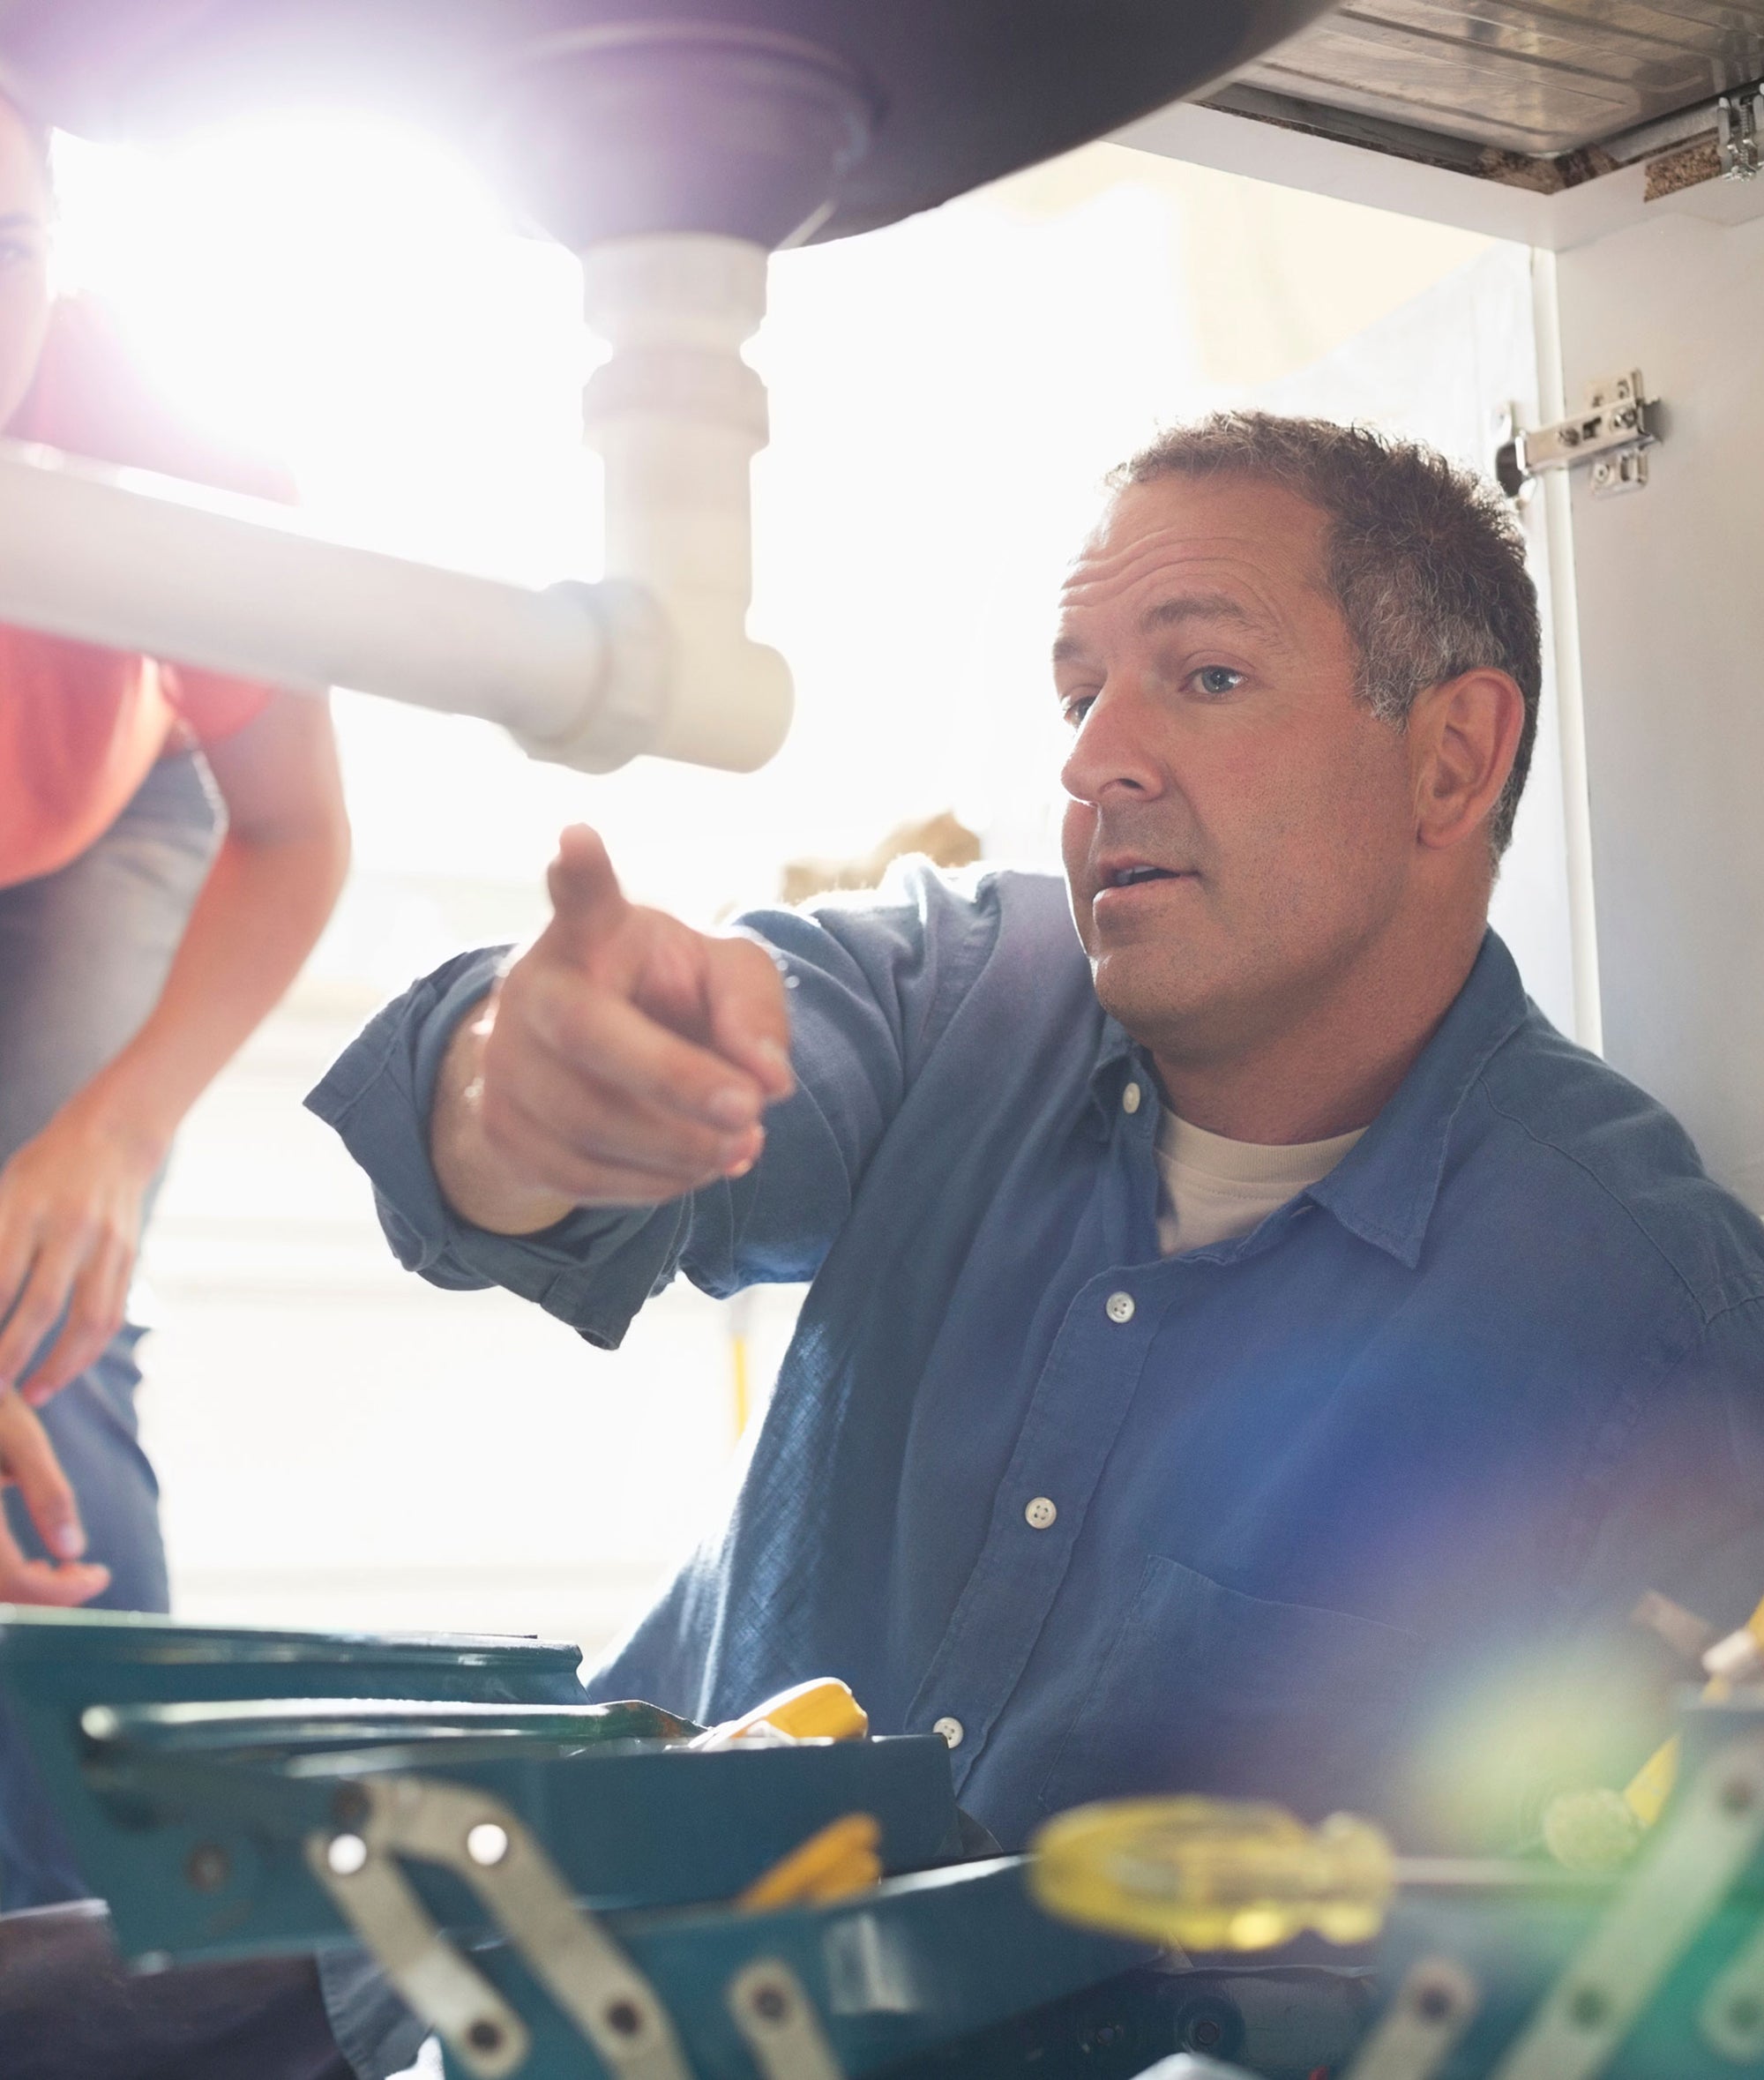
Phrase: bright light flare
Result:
[324,289]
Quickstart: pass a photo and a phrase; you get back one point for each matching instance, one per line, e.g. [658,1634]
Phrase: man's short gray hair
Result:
[1426,560]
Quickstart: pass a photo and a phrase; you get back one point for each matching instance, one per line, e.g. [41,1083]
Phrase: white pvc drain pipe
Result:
[656,659]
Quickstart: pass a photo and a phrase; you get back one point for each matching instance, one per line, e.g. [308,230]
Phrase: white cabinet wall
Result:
[1669,584]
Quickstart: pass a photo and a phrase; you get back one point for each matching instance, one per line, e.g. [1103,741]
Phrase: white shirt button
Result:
[1040,1513]
[1119,1306]
[1130,1099]
[950,1730]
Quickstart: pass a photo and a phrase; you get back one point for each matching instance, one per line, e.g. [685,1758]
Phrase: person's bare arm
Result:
[71,1198]
[624,1059]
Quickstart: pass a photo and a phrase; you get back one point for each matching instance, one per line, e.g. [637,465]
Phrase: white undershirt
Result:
[1215,1190]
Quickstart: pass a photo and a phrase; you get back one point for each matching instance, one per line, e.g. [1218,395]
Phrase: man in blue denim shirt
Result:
[1344,1498]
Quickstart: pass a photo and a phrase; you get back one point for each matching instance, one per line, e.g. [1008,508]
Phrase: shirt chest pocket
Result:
[1207,1690]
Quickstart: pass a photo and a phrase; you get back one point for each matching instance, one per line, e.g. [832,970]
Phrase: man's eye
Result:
[1075,707]
[1218,680]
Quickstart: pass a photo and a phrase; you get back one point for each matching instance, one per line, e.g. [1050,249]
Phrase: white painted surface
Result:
[1553,516]
[1322,166]
[1671,585]
[1350,173]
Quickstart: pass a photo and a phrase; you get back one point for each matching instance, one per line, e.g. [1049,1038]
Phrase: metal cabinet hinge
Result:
[1737,119]
[1611,432]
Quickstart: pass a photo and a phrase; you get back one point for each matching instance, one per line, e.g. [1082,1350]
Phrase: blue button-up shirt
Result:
[1336,1509]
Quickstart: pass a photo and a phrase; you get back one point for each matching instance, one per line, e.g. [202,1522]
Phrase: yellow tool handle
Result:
[1212,1874]
[821,1709]
[1647,1790]
[843,1858]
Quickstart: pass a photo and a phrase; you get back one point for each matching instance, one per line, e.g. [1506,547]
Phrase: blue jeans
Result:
[83,953]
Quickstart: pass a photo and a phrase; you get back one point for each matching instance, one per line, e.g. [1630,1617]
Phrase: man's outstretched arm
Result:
[623,1060]
[546,1122]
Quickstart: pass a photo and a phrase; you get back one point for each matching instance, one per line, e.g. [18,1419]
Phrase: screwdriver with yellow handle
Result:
[1219,1874]
[1213,1875]
[823,1708]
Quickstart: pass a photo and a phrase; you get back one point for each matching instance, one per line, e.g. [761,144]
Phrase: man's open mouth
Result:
[1125,877]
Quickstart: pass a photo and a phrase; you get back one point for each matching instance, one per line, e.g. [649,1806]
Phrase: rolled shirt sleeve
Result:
[872,984]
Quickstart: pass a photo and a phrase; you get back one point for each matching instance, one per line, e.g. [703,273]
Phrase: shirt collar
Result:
[1383,1190]
[1115,1045]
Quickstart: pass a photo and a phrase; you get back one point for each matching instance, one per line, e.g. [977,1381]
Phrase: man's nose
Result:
[1112,752]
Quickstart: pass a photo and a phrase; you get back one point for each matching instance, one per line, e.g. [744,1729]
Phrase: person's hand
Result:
[624,1060]
[69,1224]
[27,1459]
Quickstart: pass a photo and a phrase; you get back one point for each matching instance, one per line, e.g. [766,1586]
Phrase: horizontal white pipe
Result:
[579,674]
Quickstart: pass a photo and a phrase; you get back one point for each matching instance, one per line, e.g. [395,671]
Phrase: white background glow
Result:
[945,396]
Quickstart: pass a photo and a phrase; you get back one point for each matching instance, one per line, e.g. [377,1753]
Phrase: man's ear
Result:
[1463,735]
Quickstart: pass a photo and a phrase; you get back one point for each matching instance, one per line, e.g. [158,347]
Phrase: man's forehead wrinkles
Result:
[1097,564]
[1162,592]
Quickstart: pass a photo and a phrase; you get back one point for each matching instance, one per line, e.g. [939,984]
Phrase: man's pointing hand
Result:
[623,1060]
